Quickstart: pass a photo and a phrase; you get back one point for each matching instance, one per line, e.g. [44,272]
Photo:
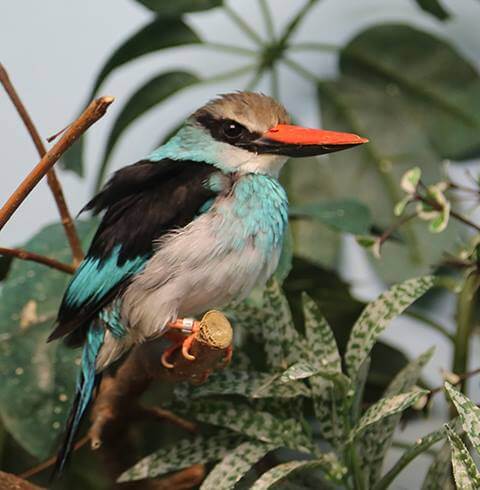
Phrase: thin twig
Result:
[92,113]
[460,378]
[19,253]
[52,179]
[51,461]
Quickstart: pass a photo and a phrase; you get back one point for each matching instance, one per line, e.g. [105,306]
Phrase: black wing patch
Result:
[142,202]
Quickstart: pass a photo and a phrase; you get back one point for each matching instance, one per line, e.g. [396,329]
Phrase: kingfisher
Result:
[196,225]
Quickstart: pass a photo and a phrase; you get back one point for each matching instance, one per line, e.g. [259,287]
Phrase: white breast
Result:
[194,269]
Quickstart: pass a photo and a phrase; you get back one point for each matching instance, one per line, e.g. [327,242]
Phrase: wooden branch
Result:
[52,180]
[12,482]
[92,113]
[117,403]
[19,253]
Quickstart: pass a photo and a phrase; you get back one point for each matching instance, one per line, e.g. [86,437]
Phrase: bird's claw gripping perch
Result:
[185,325]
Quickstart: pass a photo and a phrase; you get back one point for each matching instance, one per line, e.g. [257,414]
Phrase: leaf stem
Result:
[254,81]
[465,315]
[294,24]
[274,82]
[229,48]
[220,77]
[52,180]
[267,17]
[408,456]
[243,25]
[19,253]
[92,113]
[330,48]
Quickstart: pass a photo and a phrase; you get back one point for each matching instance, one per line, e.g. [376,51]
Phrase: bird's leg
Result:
[184,326]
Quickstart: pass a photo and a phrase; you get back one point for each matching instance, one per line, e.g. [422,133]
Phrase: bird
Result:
[196,225]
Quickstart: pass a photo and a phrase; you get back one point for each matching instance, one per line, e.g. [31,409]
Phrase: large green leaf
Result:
[469,414]
[186,452]
[251,422]
[167,8]
[434,7]
[37,378]
[152,93]
[348,215]
[465,472]
[377,315]
[327,462]
[235,465]
[418,101]
[161,33]
[385,408]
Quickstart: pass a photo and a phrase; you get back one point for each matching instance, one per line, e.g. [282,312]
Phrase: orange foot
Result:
[186,326]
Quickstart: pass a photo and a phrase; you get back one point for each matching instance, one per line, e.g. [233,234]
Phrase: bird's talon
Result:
[187,344]
[166,354]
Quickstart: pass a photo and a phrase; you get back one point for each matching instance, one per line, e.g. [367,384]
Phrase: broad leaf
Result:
[282,341]
[434,7]
[152,93]
[465,472]
[469,414]
[246,420]
[322,347]
[378,438]
[248,383]
[235,465]
[37,378]
[347,215]
[328,462]
[186,452]
[162,33]
[428,96]
[167,8]
[376,316]
[385,408]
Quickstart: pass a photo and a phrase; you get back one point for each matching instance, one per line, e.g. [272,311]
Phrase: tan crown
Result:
[256,111]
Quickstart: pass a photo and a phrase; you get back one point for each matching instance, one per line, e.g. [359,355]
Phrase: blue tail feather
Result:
[86,383]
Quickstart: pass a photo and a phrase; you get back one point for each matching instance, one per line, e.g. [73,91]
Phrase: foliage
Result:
[280,420]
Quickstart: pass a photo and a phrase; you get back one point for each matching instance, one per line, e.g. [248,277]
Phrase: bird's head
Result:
[249,132]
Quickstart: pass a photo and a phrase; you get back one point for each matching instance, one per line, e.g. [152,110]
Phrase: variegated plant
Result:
[257,413]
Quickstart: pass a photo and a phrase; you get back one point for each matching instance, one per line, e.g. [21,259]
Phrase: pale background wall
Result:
[54,48]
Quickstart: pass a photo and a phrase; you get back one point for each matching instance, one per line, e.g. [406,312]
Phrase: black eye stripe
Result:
[227,130]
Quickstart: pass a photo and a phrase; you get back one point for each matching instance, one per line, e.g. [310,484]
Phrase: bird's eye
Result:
[232,130]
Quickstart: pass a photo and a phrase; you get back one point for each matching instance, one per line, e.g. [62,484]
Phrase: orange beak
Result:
[296,141]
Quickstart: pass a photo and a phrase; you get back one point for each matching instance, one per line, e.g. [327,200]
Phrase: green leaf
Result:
[327,462]
[322,347]
[167,8]
[469,414]
[235,465]
[431,107]
[435,8]
[438,474]
[378,438]
[184,453]
[347,215]
[37,378]
[385,408]
[376,316]
[248,383]
[419,447]
[465,472]
[152,93]
[281,340]
[243,418]
[162,33]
